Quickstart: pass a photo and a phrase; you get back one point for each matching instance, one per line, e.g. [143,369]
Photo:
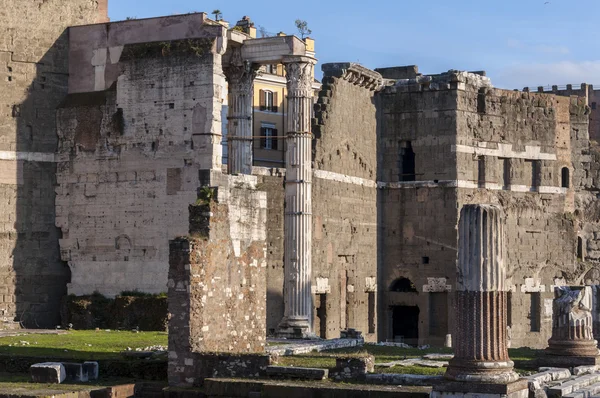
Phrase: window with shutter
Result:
[263,137]
[261,99]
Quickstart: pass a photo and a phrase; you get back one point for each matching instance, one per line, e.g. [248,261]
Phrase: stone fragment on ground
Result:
[310,346]
[586,369]
[48,372]
[439,356]
[414,362]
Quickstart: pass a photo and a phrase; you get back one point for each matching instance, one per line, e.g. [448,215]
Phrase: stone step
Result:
[289,372]
[585,392]
[538,380]
[573,385]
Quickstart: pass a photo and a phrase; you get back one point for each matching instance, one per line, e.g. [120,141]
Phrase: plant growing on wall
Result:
[302,27]
[218,15]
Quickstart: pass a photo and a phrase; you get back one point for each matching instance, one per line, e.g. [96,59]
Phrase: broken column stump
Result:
[481,364]
[572,342]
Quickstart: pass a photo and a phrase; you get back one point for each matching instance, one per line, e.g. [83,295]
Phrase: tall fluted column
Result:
[240,78]
[481,353]
[297,321]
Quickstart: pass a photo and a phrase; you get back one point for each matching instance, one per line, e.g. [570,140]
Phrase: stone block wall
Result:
[345,202]
[129,161]
[33,78]
[217,279]
[479,130]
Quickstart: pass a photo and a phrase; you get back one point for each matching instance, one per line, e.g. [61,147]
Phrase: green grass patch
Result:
[21,382]
[85,345]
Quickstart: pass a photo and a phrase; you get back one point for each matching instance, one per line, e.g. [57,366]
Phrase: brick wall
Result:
[217,280]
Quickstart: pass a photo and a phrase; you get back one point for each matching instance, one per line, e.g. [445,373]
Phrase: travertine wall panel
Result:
[129,162]
[33,81]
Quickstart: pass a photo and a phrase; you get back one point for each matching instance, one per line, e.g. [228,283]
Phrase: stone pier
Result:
[481,363]
[240,76]
[572,342]
[297,321]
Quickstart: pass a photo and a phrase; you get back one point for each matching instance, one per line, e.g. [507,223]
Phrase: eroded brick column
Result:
[297,321]
[240,76]
[481,353]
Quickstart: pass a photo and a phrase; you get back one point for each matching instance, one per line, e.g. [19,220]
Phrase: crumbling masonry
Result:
[100,166]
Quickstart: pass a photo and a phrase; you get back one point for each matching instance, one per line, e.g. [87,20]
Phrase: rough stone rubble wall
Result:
[33,78]
[129,166]
[217,286]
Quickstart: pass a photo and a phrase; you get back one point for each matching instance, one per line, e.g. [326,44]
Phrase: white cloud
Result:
[560,73]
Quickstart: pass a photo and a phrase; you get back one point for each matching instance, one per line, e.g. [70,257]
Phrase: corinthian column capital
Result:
[299,74]
[240,73]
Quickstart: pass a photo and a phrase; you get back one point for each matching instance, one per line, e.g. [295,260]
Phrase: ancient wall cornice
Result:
[355,74]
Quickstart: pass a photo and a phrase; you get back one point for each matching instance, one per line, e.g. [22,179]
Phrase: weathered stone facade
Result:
[129,162]
[217,290]
[471,143]
[33,74]
[393,157]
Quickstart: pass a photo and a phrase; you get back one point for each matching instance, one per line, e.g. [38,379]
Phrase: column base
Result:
[294,328]
[573,348]
[451,389]
[564,361]
[487,372]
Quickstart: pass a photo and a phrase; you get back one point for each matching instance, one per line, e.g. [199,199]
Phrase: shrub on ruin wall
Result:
[127,311]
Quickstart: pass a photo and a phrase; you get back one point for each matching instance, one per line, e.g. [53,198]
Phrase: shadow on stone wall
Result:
[39,277]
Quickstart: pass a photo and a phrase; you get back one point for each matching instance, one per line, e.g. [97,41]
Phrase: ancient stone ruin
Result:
[572,342]
[481,363]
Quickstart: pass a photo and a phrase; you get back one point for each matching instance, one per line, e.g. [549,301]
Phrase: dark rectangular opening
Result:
[425,260]
[371,303]
[505,173]
[438,314]
[405,324]
[481,171]
[535,303]
[322,315]
[406,162]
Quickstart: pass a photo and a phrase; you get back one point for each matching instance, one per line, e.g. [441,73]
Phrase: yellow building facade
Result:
[269,108]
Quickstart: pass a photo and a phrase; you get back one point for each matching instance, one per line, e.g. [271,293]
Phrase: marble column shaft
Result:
[298,195]
[481,352]
[240,78]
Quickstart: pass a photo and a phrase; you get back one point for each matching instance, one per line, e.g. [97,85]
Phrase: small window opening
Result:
[565,177]
[593,105]
[403,285]
[579,248]
[425,260]
[481,171]
[536,173]
[406,162]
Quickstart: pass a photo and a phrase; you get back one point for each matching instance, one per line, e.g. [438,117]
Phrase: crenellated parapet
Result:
[355,74]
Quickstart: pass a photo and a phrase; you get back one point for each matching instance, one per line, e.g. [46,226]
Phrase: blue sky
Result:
[519,43]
